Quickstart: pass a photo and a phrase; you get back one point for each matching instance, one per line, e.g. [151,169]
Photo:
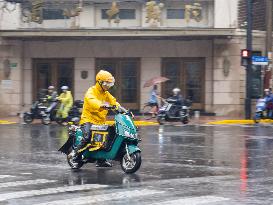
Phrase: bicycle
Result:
[149,111]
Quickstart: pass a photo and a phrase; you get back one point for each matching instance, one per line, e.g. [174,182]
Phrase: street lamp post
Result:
[249,64]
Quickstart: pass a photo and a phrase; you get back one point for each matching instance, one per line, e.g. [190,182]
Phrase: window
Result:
[123,14]
[57,72]
[175,13]
[51,14]
[186,74]
[126,72]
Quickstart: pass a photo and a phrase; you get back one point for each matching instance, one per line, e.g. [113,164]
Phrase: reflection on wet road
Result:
[193,164]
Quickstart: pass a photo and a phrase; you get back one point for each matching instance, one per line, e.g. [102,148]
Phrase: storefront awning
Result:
[150,33]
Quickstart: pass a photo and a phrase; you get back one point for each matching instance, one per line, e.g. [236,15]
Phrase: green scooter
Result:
[118,142]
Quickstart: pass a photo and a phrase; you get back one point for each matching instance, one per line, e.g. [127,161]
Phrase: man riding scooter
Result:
[52,98]
[269,103]
[52,94]
[96,100]
[52,103]
[175,108]
[176,100]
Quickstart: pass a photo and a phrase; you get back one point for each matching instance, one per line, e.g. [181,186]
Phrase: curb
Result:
[137,123]
[242,122]
[6,122]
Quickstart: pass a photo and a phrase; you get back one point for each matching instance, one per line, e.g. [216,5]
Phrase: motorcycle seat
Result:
[99,127]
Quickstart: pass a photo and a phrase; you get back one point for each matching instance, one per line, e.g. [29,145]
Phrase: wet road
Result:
[193,164]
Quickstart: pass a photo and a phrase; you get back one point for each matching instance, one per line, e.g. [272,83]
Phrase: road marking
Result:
[23,183]
[104,197]
[193,200]
[26,173]
[5,176]
[39,192]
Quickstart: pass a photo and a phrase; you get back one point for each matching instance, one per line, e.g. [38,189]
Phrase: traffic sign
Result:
[259,60]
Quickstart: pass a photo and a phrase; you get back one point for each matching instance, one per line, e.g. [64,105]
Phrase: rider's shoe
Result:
[103,163]
[71,154]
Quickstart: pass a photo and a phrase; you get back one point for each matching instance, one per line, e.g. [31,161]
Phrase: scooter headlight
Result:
[130,135]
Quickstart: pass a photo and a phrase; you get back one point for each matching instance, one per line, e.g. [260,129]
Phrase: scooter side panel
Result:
[79,135]
[103,154]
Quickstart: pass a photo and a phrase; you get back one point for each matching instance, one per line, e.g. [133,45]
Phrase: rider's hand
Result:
[105,106]
[132,115]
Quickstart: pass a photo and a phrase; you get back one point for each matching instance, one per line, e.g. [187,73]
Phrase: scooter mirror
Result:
[75,120]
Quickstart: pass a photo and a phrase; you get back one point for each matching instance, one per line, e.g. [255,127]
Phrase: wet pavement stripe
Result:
[193,200]
[6,176]
[24,183]
[39,192]
[104,197]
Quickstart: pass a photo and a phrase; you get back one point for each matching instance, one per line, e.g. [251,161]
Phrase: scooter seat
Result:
[99,127]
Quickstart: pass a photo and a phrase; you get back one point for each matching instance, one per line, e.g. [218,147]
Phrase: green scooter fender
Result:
[133,148]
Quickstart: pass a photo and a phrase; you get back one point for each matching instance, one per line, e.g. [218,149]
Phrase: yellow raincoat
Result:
[66,104]
[93,99]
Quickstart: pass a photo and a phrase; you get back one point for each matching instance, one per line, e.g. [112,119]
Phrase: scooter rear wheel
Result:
[147,112]
[59,121]
[131,165]
[27,118]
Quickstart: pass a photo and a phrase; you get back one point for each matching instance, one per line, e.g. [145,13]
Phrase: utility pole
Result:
[249,4]
[268,43]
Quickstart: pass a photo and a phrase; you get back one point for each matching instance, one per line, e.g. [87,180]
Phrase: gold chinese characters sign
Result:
[73,12]
[193,12]
[37,11]
[113,12]
[153,12]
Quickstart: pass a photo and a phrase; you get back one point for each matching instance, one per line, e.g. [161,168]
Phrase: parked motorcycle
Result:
[171,112]
[37,111]
[118,142]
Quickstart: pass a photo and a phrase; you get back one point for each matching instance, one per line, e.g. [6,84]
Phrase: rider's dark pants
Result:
[86,136]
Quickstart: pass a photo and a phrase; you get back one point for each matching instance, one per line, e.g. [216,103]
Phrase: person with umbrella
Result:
[151,108]
[153,101]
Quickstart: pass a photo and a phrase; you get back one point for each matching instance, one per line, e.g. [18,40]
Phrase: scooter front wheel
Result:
[74,165]
[185,120]
[132,164]
[160,120]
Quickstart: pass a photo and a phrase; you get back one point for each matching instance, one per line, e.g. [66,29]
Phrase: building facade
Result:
[196,44]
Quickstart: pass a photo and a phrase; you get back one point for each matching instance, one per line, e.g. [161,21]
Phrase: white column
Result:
[150,67]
